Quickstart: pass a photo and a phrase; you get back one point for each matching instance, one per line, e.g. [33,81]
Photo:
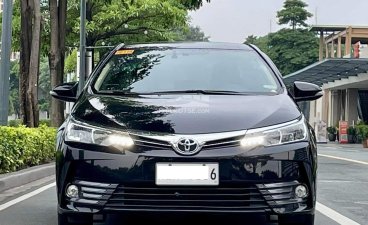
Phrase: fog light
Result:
[72,191]
[301,191]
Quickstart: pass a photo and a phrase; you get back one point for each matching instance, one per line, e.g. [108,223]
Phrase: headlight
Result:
[95,135]
[275,135]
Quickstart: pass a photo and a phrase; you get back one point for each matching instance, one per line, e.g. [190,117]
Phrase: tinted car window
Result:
[162,69]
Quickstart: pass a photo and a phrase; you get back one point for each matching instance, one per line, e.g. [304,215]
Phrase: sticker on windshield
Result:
[124,52]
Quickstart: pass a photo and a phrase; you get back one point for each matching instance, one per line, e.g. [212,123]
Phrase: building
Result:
[342,72]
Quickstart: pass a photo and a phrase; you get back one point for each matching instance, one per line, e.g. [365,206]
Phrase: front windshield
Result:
[166,69]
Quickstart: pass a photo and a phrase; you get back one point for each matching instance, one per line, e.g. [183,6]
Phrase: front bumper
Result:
[261,181]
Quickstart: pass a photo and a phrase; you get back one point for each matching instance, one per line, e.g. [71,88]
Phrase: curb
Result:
[22,177]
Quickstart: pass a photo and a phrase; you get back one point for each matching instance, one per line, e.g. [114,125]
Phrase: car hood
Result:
[186,114]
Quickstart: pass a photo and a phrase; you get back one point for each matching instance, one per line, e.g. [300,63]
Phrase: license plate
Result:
[196,174]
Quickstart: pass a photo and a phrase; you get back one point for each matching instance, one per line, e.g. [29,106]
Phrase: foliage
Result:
[260,42]
[290,50]
[15,123]
[18,123]
[111,22]
[22,147]
[15,25]
[193,34]
[352,130]
[43,84]
[107,19]
[361,122]
[363,131]
[71,62]
[331,130]
[16,28]
[294,13]
[193,4]
[14,89]
[127,20]
[45,122]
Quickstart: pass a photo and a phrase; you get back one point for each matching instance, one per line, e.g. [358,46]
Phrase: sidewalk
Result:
[22,177]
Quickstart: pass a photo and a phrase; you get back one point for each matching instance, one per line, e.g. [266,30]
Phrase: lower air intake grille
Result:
[222,198]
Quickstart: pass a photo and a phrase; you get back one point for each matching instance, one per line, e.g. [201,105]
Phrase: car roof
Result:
[194,45]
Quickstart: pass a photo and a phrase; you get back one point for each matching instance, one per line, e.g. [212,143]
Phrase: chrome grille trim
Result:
[207,141]
[221,143]
[151,142]
[201,138]
[281,195]
[95,184]
[92,194]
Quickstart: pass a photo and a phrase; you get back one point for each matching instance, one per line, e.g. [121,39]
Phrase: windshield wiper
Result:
[204,92]
[116,92]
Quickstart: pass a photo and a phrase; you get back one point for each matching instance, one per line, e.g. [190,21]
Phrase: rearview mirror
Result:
[302,91]
[65,92]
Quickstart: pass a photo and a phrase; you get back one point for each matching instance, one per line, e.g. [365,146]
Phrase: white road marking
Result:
[26,196]
[344,159]
[335,216]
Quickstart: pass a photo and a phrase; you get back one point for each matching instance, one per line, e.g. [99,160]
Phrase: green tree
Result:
[261,42]
[194,33]
[14,89]
[44,86]
[71,62]
[30,45]
[292,50]
[294,13]
[121,20]
[193,4]
[109,21]
[58,25]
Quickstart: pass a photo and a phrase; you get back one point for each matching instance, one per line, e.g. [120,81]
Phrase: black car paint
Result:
[174,113]
[160,113]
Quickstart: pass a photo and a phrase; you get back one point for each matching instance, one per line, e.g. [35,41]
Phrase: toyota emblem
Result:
[187,146]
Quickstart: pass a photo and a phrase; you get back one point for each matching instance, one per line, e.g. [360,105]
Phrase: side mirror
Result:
[65,92]
[302,91]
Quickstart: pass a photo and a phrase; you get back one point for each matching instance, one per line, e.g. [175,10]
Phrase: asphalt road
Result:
[342,193]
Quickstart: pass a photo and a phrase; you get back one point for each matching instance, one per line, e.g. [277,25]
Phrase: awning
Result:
[328,70]
[328,28]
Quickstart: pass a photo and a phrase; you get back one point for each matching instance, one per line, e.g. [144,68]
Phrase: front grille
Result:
[223,143]
[146,142]
[223,198]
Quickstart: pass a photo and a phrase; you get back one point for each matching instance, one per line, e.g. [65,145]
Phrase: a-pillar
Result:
[351,109]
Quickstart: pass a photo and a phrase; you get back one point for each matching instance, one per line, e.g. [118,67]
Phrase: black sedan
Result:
[186,128]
